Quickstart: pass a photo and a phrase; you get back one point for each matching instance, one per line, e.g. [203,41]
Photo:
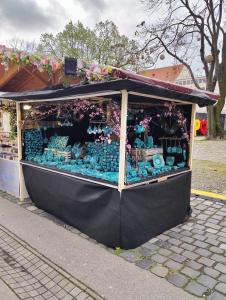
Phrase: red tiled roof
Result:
[169,73]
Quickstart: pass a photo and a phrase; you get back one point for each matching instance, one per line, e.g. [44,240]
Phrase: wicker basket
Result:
[148,153]
[66,155]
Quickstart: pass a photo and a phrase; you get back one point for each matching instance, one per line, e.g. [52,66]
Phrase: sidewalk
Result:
[6,293]
[107,274]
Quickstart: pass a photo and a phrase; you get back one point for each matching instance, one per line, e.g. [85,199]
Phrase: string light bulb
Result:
[26,106]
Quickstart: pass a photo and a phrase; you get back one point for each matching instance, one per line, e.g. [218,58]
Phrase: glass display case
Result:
[80,137]
[83,137]
[158,139]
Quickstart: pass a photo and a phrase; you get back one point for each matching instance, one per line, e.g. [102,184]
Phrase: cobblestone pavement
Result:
[191,256]
[210,150]
[31,276]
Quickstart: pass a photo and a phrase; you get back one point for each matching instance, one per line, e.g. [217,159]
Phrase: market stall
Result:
[111,158]
[9,176]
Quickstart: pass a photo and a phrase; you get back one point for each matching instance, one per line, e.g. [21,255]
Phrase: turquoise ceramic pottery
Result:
[169,149]
[184,155]
[174,149]
[181,164]
[149,142]
[170,160]
[158,161]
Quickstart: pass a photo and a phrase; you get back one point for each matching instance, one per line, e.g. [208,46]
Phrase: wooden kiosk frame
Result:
[116,215]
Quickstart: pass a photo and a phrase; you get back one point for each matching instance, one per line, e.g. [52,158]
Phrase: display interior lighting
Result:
[26,106]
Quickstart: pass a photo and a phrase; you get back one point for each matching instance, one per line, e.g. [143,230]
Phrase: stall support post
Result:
[192,134]
[22,188]
[123,133]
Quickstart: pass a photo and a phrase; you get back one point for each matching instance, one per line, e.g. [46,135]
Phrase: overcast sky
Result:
[27,19]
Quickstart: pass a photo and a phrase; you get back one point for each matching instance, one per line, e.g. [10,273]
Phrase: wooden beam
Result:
[22,187]
[123,133]
[192,134]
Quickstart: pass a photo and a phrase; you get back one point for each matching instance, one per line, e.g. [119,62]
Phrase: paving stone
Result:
[197,231]
[163,244]
[176,249]
[216,250]
[69,287]
[211,230]
[190,255]
[196,289]
[173,265]
[207,281]
[175,229]
[177,257]
[62,293]
[145,251]
[201,207]
[164,252]
[177,279]
[174,235]
[201,227]
[203,217]
[153,240]
[221,287]
[217,217]
[145,263]
[200,244]
[150,246]
[220,267]
[199,237]
[223,246]
[174,241]
[211,272]
[130,256]
[219,258]
[213,242]
[222,278]
[203,252]
[81,296]
[216,296]
[214,221]
[222,234]
[214,226]
[208,203]
[190,272]
[160,271]
[75,292]
[162,237]
[159,258]
[187,239]
[206,261]
[222,239]
[188,247]
[186,233]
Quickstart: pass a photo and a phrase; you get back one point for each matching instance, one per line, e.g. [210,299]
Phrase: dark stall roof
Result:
[157,88]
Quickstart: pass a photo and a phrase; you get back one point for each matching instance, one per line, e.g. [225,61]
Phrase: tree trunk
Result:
[215,128]
[214,125]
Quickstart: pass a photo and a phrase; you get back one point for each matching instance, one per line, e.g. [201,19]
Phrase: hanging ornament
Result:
[209,59]
[162,56]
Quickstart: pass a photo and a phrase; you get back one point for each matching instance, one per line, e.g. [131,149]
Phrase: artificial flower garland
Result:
[22,58]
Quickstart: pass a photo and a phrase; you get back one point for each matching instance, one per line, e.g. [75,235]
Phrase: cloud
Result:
[28,15]
[93,6]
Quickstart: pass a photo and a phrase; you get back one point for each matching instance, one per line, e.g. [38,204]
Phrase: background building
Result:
[180,75]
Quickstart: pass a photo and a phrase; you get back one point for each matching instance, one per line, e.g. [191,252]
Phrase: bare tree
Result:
[22,45]
[191,31]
